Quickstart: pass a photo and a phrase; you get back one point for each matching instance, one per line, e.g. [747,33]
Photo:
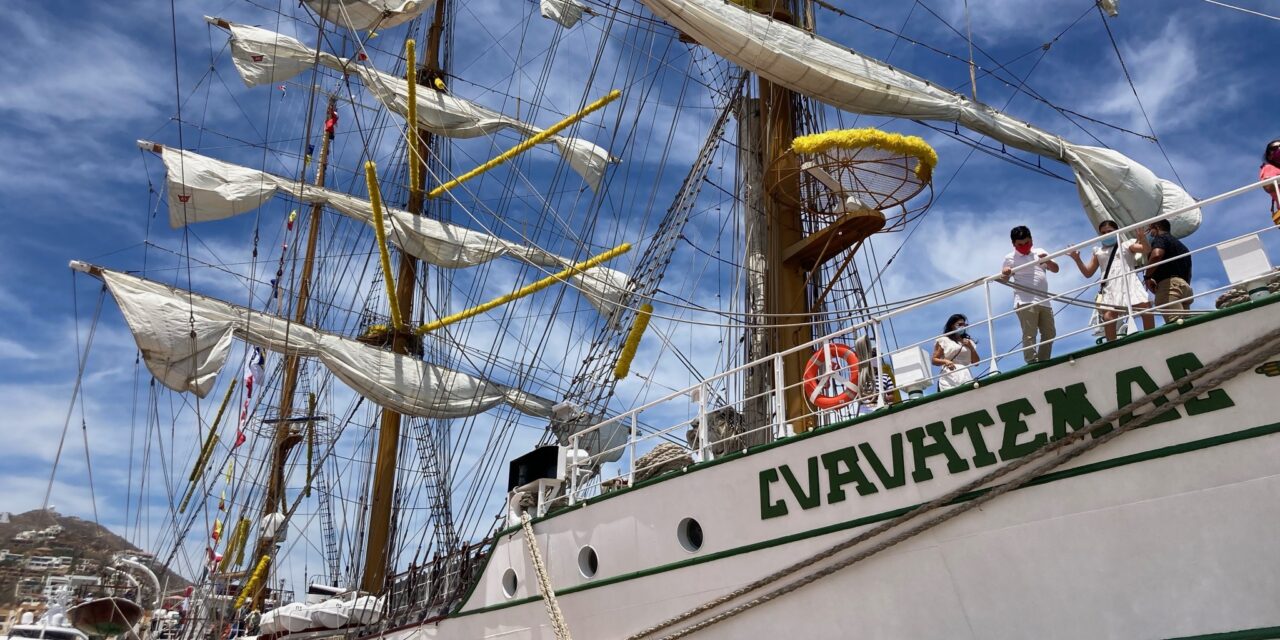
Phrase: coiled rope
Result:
[1188,387]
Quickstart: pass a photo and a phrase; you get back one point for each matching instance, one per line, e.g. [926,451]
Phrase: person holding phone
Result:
[954,352]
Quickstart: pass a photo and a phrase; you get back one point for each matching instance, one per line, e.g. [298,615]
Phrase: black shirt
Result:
[1173,247]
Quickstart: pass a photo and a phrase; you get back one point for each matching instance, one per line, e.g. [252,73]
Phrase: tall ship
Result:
[575,322]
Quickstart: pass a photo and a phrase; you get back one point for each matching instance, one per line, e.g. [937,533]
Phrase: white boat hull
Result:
[1166,531]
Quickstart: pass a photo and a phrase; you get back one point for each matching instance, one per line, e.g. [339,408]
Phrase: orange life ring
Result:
[821,373]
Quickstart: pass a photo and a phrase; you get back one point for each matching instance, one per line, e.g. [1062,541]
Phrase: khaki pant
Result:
[1176,293]
[1036,318]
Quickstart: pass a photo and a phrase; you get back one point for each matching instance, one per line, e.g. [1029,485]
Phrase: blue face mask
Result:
[1109,241]
[1151,237]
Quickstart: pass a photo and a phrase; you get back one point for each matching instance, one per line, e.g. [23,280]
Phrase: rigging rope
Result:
[1187,388]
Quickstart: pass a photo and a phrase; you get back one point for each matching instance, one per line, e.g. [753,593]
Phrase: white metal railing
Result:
[777,420]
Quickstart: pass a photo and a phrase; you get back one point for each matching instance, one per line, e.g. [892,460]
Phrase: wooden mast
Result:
[379,542]
[786,284]
[285,437]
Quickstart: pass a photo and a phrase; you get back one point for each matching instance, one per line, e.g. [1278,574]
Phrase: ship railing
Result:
[691,412]
[434,587]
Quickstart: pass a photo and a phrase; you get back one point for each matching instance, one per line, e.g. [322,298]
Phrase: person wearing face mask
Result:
[1270,169]
[1031,294]
[954,352]
[1169,276]
[1120,287]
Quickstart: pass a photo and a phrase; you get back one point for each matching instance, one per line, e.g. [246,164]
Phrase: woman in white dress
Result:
[1120,287]
[954,352]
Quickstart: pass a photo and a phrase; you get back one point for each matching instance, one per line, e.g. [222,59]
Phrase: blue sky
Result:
[83,81]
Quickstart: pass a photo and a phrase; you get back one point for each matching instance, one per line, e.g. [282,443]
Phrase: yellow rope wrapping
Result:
[629,347]
[411,130]
[527,144]
[526,290]
[206,450]
[913,146]
[252,584]
[439,84]
[375,201]
[243,528]
[235,545]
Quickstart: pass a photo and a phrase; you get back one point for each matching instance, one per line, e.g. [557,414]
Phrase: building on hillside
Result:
[73,584]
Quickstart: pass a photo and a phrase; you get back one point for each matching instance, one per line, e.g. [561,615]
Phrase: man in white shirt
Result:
[1031,294]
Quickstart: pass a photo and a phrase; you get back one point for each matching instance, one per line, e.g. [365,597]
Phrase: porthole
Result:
[588,562]
[509,583]
[689,532]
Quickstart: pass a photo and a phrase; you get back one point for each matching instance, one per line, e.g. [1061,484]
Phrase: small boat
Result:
[294,617]
[105,616]
[366,610]
[330,614]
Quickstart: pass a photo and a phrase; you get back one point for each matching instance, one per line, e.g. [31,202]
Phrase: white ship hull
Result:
[1167,531]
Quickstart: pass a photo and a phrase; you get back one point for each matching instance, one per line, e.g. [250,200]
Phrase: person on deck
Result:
[1270,169]
[954,352]
[1120,290]
[1169,273]
[871,386]
[1031,294]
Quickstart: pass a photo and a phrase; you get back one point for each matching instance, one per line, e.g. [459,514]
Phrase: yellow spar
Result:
[411,130]
[526,290]
[375,202]
[538,138]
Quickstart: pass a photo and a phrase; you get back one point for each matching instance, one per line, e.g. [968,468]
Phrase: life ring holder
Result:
[821,372]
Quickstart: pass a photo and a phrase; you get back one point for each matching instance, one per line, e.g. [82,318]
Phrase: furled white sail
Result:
[565,12]
[203,188]
[1111,185]
[185,339]
[368,14]
[263,56]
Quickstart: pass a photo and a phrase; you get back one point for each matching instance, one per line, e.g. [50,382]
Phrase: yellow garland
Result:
[375,202]
[252,584]
[411,121]
[526,290]
[913,146]
[527,144]
[629,347]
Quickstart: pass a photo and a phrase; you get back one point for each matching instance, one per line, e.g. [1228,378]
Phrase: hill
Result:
[39,543]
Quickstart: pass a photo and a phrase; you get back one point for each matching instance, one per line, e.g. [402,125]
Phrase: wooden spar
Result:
[285,437]
[528,144]
[311,442]
[526,290]
[378,545]
[786,283]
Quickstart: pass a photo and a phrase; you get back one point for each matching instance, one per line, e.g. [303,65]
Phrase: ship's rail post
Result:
[991,327]
[703,432]
[779,398]
[573,470]
[877,372]
[631,449]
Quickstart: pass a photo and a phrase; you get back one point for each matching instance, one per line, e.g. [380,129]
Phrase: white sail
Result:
[185,339]
[263,57]
[1111,185]
[566,12]
[203,189]
[362,15]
